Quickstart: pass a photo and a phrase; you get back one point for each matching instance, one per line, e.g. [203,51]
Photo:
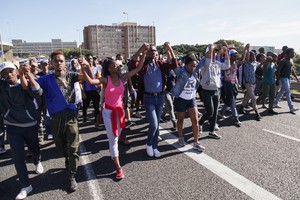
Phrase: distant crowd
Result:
[47,95]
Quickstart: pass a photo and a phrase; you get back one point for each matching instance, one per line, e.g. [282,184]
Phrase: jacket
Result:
[183,77]
[16,105]
[55,100]
[163,66]
[211,74]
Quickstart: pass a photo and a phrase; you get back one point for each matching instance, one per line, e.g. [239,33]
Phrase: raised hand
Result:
[83,62]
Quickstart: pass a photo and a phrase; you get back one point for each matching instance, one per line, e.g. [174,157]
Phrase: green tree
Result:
[184,49]
[75,52]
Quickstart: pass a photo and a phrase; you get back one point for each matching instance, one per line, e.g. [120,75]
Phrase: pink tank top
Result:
[113,94]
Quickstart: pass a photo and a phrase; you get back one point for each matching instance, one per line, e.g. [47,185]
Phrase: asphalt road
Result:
[259,160]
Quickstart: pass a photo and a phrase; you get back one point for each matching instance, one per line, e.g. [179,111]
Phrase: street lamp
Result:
[79,42]
[125,13]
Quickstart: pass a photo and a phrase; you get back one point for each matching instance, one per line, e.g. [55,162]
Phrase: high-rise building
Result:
[124,38]
[38,48]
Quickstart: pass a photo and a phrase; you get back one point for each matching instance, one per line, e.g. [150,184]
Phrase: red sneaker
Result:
[119,173]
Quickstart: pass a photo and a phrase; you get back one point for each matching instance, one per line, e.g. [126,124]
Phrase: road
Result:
[259,160]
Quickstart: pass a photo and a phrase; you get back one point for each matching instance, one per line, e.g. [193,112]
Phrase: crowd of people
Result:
[50,95]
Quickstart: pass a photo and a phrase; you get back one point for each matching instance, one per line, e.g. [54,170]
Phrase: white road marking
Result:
[92,181]
[281,135]
[238,181]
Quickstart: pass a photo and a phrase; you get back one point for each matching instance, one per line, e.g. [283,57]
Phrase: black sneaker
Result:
[73,184]
[214,135]
[272,112]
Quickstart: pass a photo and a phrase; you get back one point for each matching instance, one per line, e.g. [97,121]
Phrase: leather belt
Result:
[154,93]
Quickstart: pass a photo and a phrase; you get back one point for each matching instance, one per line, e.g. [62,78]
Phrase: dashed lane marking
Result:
[92,182]
[282,135]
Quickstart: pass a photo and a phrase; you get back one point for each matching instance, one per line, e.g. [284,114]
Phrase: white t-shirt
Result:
[189,90]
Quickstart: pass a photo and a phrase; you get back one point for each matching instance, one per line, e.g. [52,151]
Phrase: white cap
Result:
[7,65]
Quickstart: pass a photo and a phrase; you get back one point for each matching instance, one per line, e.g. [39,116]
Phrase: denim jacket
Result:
[183,77]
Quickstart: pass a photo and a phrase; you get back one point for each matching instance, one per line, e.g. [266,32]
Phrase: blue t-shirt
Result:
[153,79]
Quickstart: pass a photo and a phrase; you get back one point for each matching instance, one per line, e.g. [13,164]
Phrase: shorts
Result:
[182,105]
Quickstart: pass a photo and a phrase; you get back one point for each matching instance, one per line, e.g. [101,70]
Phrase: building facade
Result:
[124,38]
[40,48]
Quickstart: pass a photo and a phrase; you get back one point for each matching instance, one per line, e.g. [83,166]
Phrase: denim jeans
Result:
[211,101]
[153,106]
[285,88]
[17,136]
[233,109]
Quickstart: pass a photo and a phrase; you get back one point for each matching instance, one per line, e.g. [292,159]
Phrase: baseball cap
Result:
[7,65]
[44,62]
[232,51]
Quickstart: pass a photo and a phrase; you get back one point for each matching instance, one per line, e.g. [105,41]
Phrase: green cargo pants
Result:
[66,137]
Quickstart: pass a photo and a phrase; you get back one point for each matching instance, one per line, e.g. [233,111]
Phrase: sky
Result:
[260,23]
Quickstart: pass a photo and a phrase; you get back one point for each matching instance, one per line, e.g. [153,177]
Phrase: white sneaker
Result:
[156,153]
[50,137]
[24,191]
[39,169]
[293,110]
[150,151]
[277,106]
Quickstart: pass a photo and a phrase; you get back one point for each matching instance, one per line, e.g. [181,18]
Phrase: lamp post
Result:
[125,13]
[79,42]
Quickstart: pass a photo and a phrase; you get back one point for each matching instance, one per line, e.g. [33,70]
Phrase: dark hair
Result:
[289,50]
[258,57]
[189,58]
[88,55]
[284,48]
[105,66]
[55,53]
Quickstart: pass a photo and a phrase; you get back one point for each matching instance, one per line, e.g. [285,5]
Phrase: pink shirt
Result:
[114,94]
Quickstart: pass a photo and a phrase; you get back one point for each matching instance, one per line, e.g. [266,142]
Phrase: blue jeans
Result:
[233,109]
[17,136]
[285,88]
[211,101]
[153,106]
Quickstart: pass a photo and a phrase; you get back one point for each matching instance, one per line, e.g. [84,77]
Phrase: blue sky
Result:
[260,23]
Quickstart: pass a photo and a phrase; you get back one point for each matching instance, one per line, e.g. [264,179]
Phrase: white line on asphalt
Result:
[281,135]
[248,187]
[92,182]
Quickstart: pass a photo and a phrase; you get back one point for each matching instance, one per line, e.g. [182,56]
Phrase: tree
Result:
[184,49]
[75,52]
